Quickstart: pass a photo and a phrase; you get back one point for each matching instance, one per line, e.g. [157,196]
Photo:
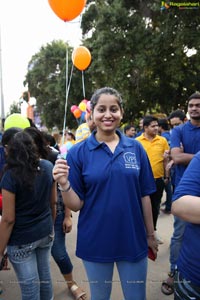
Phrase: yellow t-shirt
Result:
[82,132]
[155,150]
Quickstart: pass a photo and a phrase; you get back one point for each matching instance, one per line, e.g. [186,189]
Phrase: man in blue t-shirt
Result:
[185,143]
[187,207]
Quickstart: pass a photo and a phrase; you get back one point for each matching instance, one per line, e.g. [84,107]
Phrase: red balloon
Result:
[67,10]
[81,58]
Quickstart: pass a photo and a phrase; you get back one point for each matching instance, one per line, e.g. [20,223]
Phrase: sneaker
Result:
[158,238]
[167,212]
[1,289]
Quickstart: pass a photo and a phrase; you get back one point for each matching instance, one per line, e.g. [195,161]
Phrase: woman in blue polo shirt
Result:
[110,180]
[186,206]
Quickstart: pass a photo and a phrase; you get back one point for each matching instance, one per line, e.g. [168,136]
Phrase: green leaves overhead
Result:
[143,52]
[46,78]
[150,56]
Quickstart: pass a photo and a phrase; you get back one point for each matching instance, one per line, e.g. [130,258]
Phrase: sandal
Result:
[1,289]
[77,292]
[167,286]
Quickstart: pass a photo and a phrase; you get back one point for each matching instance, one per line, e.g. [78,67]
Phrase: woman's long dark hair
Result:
[39,141]
[22,159]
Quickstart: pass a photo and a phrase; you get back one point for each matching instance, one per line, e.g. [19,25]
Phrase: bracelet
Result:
[66,190]
[150,235]
[3,261]
[69,216]
[166,178]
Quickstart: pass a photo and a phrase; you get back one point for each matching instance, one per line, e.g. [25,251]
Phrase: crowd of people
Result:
[115,179]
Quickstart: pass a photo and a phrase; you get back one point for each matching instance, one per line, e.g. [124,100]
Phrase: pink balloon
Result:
[73,108]
[88,108]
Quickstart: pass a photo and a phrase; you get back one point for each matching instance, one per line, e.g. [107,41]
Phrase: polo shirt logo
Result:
[130,160]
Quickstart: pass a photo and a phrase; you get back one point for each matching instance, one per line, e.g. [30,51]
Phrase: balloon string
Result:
[83,84]
[67,69]
[67,94]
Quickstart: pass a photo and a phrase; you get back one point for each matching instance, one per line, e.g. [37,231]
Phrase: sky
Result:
[25,26]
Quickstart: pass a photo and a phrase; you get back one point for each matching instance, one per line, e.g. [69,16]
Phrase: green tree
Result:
[46,79]
[14,108]
[142,51]
[136,48]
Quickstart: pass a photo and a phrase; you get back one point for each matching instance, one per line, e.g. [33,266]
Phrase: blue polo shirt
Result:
[188,136]
[2,159]
[111,226]
[189,260]
[167,136]
[33,217]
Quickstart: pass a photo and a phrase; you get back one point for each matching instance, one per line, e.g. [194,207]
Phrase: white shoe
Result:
[158,238]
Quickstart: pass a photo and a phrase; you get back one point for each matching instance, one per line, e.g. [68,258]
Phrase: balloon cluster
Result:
[81,110]
[68,10]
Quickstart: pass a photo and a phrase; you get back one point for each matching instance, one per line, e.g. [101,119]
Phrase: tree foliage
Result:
[14,108]
[142,51]
[46,78]
[136,48]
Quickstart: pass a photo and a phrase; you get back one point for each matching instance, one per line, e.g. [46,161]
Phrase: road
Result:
[157,271]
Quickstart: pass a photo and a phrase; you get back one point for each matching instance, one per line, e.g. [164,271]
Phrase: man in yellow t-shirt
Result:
[85,129]
[155,147]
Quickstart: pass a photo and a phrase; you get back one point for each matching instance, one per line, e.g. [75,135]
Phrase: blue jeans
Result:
[58,249]
[176,241]
[31,263]
[132,278]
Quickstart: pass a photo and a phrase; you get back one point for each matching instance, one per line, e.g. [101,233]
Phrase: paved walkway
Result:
[157,271]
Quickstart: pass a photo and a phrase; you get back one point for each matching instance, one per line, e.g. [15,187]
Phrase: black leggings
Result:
[156,199]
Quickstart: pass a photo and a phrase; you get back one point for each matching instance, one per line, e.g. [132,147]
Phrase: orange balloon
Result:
[67,10]
[81,57]
[77,113]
